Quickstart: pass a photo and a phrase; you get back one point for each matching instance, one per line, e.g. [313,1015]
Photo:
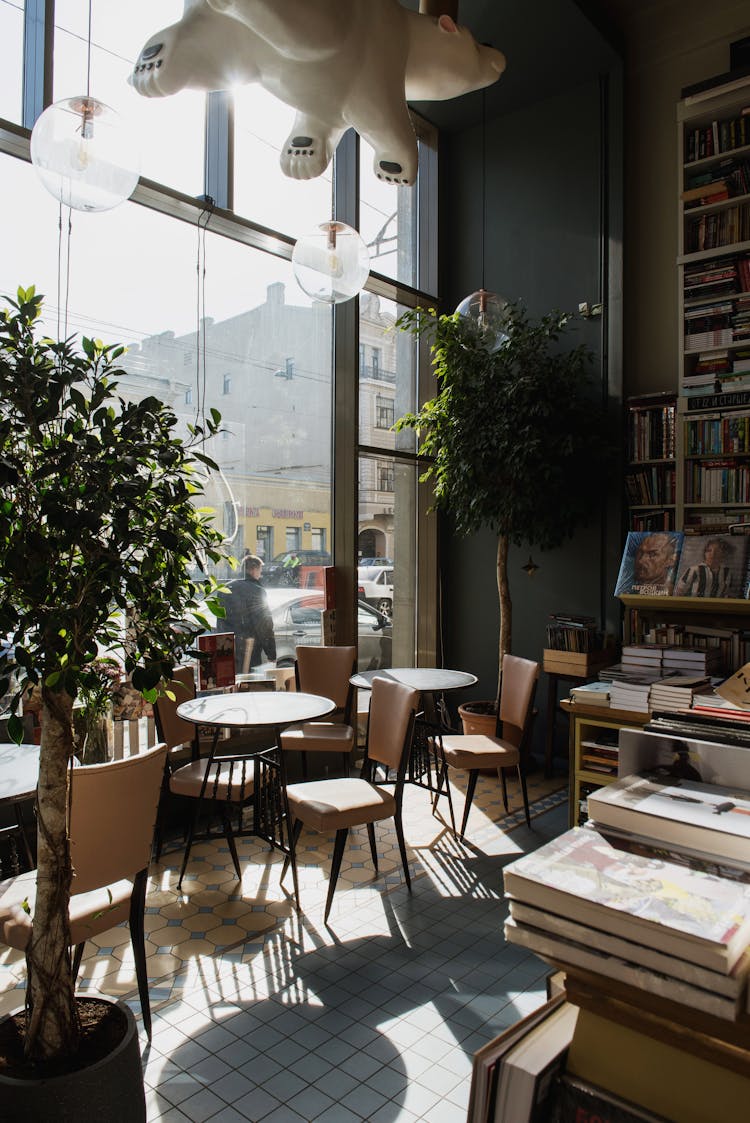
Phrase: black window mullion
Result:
[219,151]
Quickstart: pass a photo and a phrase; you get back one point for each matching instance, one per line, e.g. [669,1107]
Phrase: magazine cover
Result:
[649,563]
[712,565]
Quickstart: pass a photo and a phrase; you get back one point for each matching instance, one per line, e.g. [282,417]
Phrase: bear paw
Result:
[152,75]
[304,157]
[394,171]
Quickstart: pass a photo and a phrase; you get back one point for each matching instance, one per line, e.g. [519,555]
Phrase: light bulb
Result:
[84,154]
[488,313]
[332,263]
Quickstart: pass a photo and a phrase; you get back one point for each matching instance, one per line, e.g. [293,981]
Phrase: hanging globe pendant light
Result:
[331,263]
[84,154]
[488,314]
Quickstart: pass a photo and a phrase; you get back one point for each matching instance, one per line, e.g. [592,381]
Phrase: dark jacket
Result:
[248,616]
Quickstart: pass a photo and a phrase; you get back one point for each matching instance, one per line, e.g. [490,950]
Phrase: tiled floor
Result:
[261,1014]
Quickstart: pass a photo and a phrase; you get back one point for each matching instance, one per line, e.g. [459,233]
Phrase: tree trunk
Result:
[53,1025]
[506,611]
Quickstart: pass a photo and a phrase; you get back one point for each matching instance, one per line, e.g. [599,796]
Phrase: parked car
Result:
[277,572]
[375,585]
[375,561]
[297,620]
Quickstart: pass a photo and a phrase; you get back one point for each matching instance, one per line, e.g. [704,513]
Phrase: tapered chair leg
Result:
[402,848]
[470,789]
[138,940]
[291,859]
[501,774]
[443,775]
[189,841]
[77,957]
[229,836]
[522,779]
[373,847]
[338,854]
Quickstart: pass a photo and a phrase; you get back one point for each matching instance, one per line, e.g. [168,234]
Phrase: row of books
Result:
[651,428]
[649,485]
[718,277]
[718,228]
[724,180]
[721,482]
[574,633]
[720,136]
[717,434]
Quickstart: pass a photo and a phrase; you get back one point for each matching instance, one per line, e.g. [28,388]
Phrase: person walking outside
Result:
[249,616]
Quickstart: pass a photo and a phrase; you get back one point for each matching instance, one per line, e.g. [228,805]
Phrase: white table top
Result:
[424,679]
[264,708]
[19,772]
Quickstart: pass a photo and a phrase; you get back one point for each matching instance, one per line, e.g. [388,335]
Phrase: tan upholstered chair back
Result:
[171,728]
[112,817]
[391,707]
[326,671]
[516,694]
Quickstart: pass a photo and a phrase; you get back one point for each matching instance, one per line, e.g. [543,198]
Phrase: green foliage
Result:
[101,542]
[516,437]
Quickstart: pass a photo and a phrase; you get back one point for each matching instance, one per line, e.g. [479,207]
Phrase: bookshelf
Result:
[712,450]
[701,621]
[650,477]
[590,725]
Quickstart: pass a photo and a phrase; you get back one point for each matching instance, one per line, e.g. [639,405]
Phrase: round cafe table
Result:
[259,710]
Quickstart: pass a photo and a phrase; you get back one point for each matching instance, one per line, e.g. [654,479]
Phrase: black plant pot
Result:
[110,1089]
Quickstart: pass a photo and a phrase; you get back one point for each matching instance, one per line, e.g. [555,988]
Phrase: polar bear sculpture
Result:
[339,63]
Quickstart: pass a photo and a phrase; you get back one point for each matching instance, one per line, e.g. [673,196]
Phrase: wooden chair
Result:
[338,804]
[324,671]
[507,749]
[112,818]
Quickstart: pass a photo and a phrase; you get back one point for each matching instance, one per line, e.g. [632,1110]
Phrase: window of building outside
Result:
[11,37]
[118,31]
[253,332]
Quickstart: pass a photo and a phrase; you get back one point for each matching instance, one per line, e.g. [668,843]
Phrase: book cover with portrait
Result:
[650,563]
[712,565]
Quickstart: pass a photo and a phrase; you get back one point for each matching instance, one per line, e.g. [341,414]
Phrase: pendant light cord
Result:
[484,176]
[88,56]
[204,218]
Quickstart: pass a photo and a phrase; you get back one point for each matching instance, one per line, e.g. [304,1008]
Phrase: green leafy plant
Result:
[102,546]
[515,436]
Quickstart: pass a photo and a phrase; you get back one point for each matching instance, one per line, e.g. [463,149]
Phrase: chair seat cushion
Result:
[472,751]
[228,780]
[318,737]
[90,913]
[326,805]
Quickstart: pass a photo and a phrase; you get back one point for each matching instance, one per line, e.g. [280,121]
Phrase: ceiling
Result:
[550,45]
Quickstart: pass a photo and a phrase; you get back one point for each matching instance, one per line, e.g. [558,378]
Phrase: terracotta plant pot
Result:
[479,718]
[110,1089]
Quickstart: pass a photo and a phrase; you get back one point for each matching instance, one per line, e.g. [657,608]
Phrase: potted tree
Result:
[514,436]
[101,553]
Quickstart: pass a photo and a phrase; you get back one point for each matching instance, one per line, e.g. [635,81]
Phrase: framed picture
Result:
[649,563]
[712,565]
[216,667]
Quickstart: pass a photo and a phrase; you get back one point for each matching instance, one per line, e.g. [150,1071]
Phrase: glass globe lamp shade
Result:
[85,155]
[488,314]
[332,263]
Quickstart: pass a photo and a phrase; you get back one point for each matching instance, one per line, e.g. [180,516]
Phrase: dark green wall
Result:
[552,237]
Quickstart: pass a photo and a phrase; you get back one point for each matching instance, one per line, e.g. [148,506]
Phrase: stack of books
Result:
[591,694]
[663,928]
[679,692]
[631,694]
[704,661]
[639,658]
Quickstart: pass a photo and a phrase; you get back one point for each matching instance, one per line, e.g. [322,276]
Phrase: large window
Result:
[209,309]
[11,37]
